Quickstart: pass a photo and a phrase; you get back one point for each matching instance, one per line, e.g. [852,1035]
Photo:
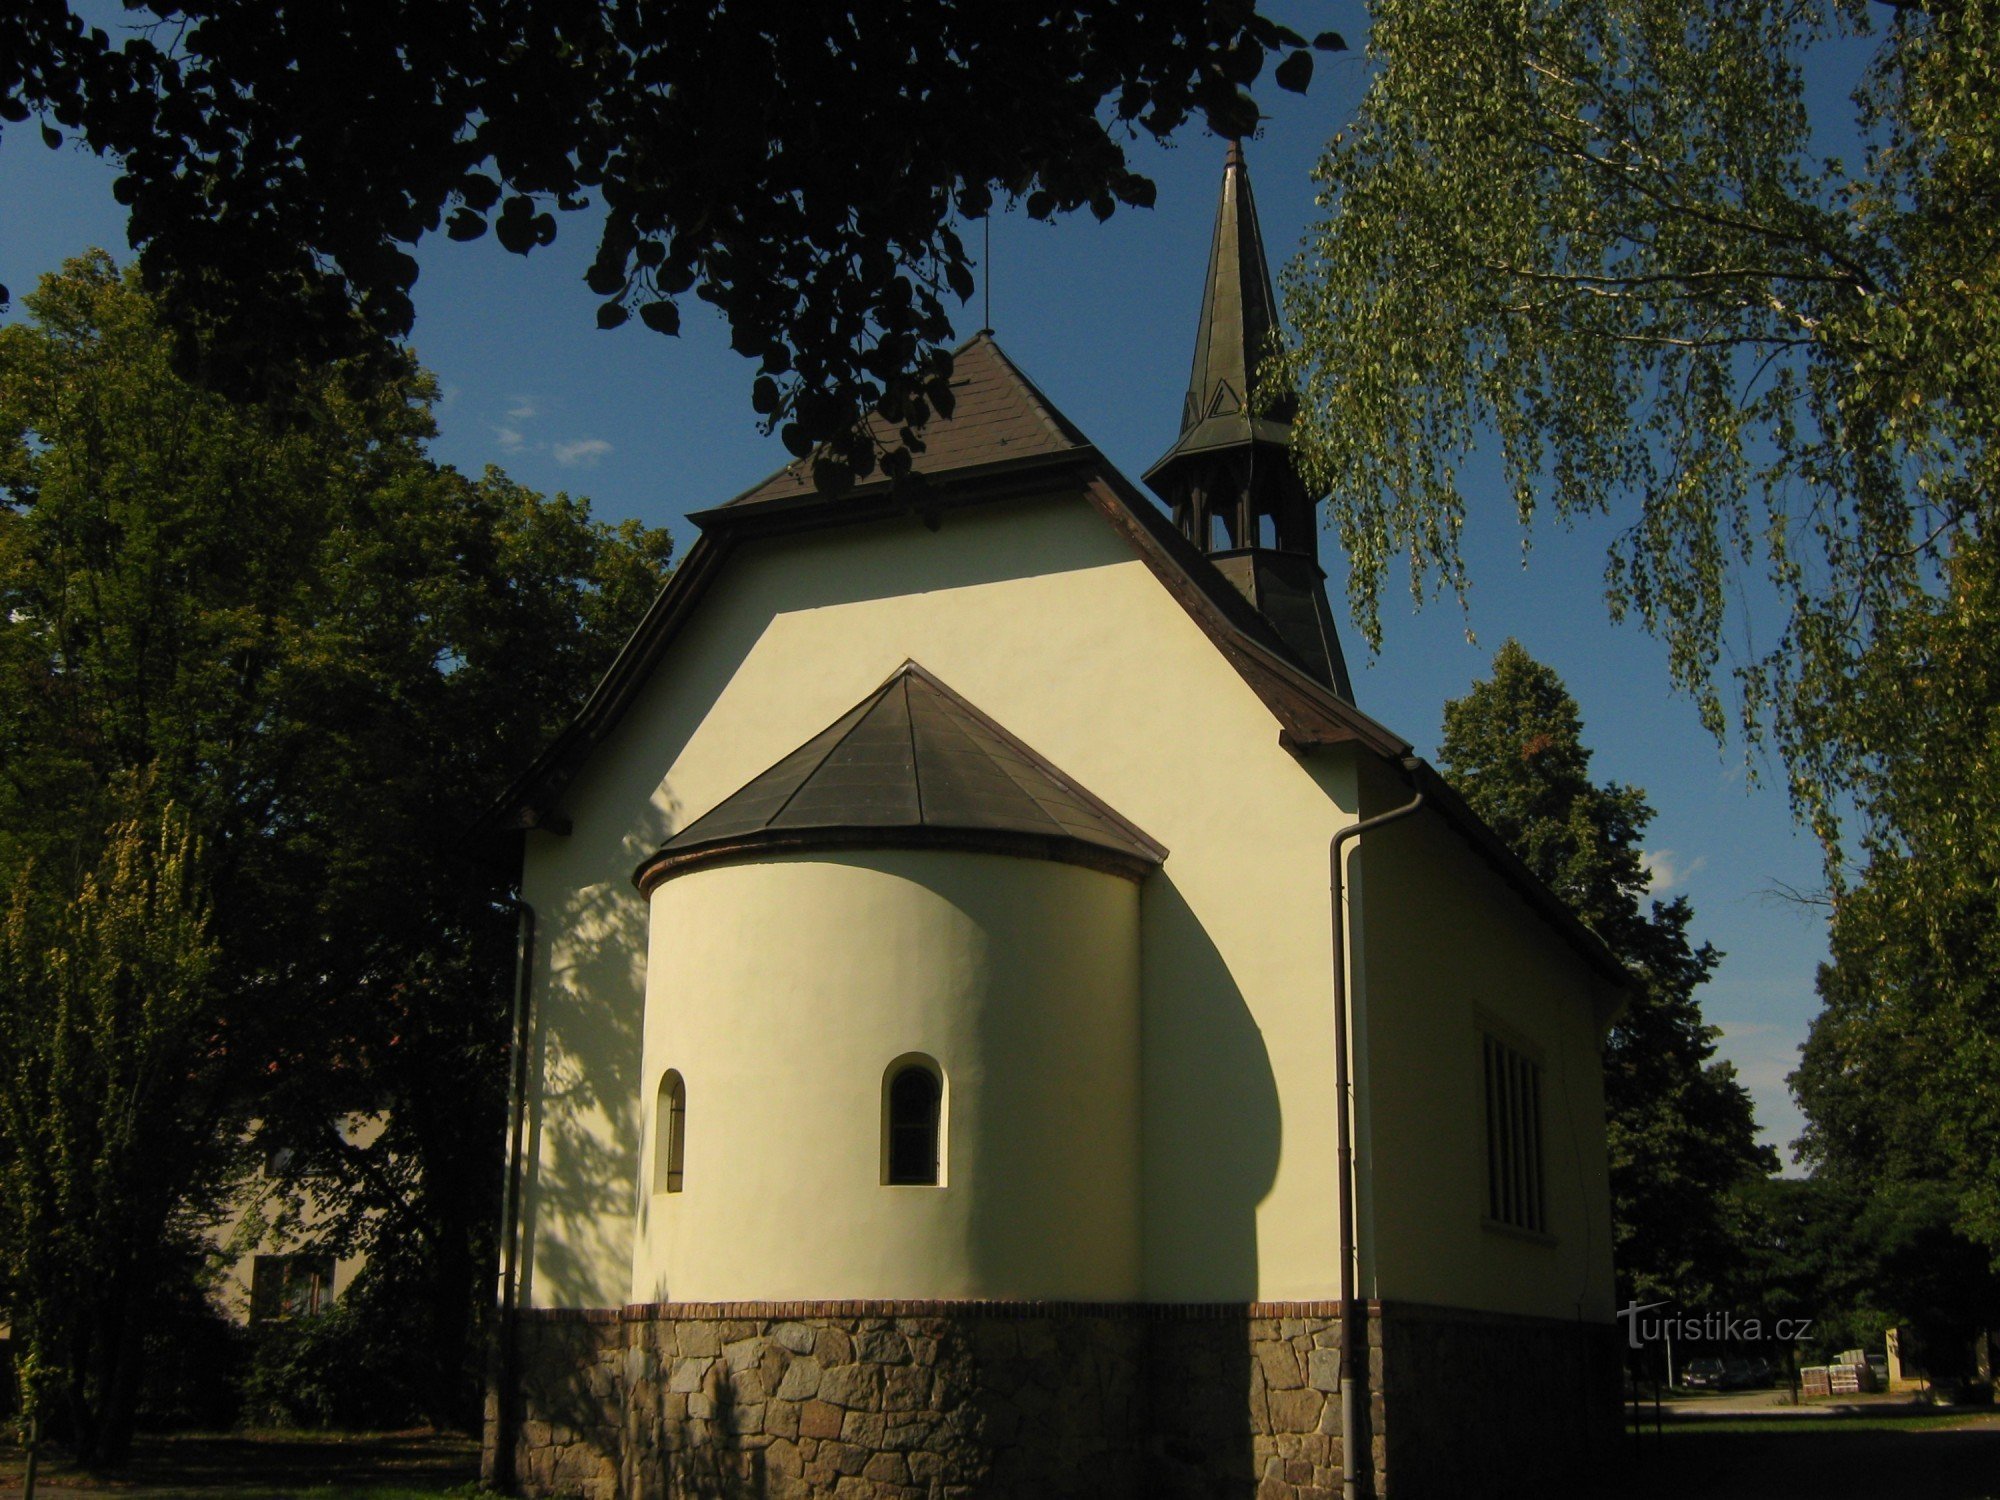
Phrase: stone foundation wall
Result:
[1488,1405]
[893,1401]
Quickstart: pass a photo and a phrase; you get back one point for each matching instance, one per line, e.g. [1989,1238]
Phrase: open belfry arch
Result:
[932,1009]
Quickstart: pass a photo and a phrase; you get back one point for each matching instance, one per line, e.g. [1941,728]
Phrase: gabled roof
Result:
[963,472]
[913,763]
[997,417]
[958,471]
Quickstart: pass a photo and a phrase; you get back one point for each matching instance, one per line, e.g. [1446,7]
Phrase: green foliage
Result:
[1896,1078]
[803,170]
[348,1367]
[1680,1126]
[1606,231]
[325,652]
[1859,1259]
[109,1083]
[1611,232]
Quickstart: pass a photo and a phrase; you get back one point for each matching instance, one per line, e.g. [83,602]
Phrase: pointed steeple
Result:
[1229,477]
[1239,316]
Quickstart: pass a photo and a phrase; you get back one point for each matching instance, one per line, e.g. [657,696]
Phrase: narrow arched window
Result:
[912,1117]
[669,1133]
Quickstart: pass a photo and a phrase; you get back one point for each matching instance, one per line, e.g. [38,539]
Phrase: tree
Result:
[1613,233]
[110,1098]
[1896,1077]
[1680,1126]
[802,168]
[329,651]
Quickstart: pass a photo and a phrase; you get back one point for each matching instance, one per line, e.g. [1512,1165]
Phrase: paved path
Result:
[1775,1403]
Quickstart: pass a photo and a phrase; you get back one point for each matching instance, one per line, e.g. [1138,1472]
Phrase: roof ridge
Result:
[1047,768]
[1010,419]
[1050,414]
[1021,747]
[916,760]
[857,713]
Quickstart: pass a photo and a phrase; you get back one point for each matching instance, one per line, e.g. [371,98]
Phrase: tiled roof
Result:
[915,757]
[997,416]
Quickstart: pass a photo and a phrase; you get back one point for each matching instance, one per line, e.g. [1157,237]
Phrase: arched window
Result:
[913,1099]
[669,1133]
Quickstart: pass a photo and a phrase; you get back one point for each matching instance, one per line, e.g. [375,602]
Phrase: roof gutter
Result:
[1353,1314]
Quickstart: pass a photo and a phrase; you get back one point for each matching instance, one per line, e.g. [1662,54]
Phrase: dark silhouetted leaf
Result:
[479,191]
[1295,72]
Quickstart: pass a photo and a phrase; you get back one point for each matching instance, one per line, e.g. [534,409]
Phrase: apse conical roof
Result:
[913,763]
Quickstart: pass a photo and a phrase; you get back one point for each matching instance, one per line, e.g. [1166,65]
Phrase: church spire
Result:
[1229,478]
[1239,315]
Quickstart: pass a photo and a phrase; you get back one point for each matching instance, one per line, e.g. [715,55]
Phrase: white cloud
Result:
[1665,872]
[510,439]
[522,409]
[585,451]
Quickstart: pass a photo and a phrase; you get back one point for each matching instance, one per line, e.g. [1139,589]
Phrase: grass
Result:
[1790,1422]
[274,1466]
[1945,1455]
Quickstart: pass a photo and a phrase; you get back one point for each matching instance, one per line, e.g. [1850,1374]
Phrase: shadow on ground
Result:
[1779,1457]
[264,1465]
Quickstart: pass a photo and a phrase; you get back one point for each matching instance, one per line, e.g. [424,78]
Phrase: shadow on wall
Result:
[1212,1125]
[1213,1133]
[581,1159]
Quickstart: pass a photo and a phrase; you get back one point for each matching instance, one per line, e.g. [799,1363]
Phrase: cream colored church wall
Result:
[1042,617]
[1451,951]
[790,987]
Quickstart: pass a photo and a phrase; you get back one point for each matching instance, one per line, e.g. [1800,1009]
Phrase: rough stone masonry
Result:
[900,1400]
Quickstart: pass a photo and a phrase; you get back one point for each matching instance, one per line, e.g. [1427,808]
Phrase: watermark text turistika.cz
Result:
[1644,1326]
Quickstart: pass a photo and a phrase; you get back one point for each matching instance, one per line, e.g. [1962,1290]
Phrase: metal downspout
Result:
[504,1394]
[1352,1315]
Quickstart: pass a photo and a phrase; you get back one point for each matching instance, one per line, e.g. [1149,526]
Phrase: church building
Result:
[999,1020]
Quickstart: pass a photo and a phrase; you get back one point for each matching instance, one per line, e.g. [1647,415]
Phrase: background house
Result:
[280,1267]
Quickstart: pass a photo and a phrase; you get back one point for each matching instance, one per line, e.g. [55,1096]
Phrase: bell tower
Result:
[1229,478]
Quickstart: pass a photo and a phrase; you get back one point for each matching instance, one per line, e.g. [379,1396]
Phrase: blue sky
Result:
[1102,318]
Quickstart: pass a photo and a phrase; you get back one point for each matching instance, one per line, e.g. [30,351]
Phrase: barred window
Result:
[290,1286]
[912,1117]
[1515,1194]
[669,1133]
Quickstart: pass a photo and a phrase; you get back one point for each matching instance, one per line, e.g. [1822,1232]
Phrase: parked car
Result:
[1762,1372]
[1737,1375]
[1704,1374]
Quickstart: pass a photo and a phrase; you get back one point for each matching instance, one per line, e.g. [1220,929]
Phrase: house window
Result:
[669,1133]
[913,1116]
[290,1286]
[1515,1193]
